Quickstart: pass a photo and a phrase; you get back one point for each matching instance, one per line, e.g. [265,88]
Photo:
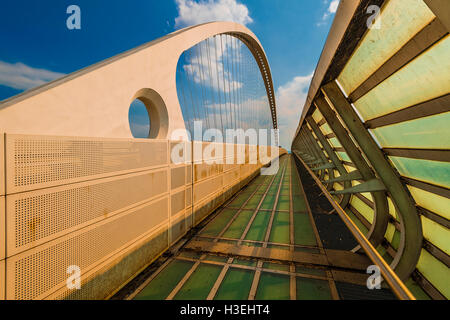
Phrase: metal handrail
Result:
[394,282]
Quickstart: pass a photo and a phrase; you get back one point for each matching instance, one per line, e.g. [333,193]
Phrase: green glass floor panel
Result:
[275,266]
[199,284]
[216,226]
[258,228]
[283,203]
[238,226]
[313,289]
[253,202]
[268,202]
[273,287]
[240,199]
[303,230]
[244,262]
[280,228]
[162,285]
[236,285]
[299,203]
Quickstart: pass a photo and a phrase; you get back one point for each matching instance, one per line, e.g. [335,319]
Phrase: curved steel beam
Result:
[381,212]
[411,236]
[333,157]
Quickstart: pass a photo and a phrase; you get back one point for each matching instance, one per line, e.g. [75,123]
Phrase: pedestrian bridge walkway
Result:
[262,244]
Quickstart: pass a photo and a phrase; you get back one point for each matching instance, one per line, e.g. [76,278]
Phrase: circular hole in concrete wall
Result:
[139,119]
[147,115]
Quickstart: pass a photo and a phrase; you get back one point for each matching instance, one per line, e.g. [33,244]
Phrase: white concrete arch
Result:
[94,101]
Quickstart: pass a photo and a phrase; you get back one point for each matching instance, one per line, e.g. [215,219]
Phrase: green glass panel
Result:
[436,272]
[303,230]
[258,228]
[326,129]
[426,133]
[436,234]
[253,202]
[431,201]
[200,283]
[216,258]
[344,156]
[433,172]
[273,287]
[163,284]
[313,289]
[238,226]
[275,266]
[217,225]
[243,262]
[425,78]
[236,285]
[283,203]
[416,290]
[280,228]
[400,21]
[335,142]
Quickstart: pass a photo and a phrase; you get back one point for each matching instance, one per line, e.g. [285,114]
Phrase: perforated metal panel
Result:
[178,177]
[2,164]
[188,197]
[206,188]
[35,162]
[39,216]
[88,202]
[38,272]
[178,201]
[2,228]
[2,280]
[104,279]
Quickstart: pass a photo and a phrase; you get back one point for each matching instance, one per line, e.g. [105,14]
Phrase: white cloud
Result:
[332,8]
[22,77]
[291,98]
[191,12]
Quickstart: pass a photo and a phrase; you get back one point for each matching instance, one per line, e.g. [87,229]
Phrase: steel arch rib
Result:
[94,101]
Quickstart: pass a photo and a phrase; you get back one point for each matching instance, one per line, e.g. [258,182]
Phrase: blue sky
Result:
[36,46]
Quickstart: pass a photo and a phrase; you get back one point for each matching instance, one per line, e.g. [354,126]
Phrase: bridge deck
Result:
[262,244]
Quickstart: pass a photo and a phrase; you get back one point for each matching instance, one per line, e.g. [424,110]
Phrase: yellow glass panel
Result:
[436,234]
[400,21]
[431,201]
[425,78]
[349,168]
[392,210]
[317,116]
[436,272]
[390,232]
[338,186]
[362,208]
